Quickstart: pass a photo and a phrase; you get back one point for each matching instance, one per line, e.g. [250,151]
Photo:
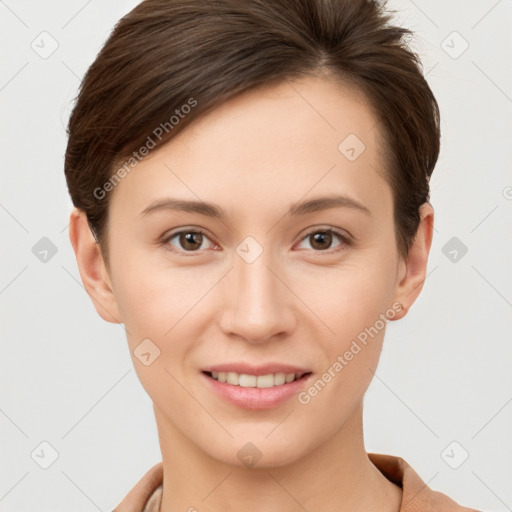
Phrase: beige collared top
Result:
[146,495]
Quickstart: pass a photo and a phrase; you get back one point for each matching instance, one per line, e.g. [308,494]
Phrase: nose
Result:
[256,303]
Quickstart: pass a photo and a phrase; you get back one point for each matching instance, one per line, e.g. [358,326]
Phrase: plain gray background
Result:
[443,389]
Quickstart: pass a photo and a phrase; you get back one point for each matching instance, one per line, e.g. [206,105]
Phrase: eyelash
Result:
[345,241]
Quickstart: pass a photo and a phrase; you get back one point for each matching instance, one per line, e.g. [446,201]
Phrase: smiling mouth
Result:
[256,381]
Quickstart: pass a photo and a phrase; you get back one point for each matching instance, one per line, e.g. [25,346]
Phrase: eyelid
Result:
[338,231]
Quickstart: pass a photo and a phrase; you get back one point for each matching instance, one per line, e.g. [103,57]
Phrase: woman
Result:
[251,191]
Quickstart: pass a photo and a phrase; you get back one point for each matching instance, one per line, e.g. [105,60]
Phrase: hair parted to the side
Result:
[166,54]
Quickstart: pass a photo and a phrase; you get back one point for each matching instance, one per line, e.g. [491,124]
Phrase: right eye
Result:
[190,240]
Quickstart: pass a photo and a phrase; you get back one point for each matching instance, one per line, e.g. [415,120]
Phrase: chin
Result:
[255,448]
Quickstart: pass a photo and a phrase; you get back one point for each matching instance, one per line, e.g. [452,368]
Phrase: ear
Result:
[413,270]
[92,267]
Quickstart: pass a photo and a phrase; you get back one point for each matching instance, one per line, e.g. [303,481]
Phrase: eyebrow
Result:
[297,209]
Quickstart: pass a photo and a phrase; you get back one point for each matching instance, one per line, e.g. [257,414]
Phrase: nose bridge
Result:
[257,306]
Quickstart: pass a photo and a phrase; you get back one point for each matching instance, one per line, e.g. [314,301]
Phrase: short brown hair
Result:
[166,54]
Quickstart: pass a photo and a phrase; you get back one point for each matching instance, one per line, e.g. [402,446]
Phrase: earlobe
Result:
[413,271]
[92,267]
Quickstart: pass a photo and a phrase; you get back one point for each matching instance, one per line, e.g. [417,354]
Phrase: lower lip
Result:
[256,398]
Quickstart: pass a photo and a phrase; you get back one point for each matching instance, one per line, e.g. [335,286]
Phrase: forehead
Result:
[271,145]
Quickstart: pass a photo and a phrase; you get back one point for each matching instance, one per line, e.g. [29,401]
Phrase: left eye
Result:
[322,239]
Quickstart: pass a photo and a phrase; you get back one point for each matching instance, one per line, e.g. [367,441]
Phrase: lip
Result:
[249,369]
[256,398]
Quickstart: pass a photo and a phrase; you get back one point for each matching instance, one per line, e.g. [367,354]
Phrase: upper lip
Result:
[250,369]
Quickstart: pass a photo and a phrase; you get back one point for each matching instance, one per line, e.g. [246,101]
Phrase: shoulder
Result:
[145,496]
[417,495]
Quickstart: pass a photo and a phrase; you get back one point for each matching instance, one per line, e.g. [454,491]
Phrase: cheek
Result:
[352,305]
[150,298]
[157,308]
[346,299]
[168,306]
[354,310]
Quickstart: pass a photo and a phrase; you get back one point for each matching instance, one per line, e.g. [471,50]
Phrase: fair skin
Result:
[296,303]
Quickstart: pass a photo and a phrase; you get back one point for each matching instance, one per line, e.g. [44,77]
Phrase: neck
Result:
[335,476]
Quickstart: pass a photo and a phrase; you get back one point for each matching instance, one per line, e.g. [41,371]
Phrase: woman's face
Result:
[264,284]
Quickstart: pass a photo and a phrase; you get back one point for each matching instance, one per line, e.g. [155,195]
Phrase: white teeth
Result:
[255,381]
[232,378]
[246,381]
[279,378]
